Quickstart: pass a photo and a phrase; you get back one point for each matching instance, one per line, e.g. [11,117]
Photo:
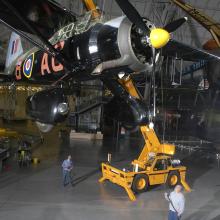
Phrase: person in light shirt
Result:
[176,203]
[67,166]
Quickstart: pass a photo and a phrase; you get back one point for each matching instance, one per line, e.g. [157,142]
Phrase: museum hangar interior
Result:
[128,91]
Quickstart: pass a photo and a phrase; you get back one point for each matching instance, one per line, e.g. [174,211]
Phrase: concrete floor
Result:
[37,192]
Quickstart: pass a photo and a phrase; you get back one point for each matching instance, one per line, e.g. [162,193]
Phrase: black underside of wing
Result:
[44,15]
[186,52]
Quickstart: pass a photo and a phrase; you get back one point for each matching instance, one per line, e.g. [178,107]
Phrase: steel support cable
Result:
[162,97]
[164,115]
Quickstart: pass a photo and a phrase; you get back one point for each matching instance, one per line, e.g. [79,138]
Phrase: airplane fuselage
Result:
[116,44]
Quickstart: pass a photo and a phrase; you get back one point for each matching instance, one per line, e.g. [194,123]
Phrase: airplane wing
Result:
[45,16]
[186,52]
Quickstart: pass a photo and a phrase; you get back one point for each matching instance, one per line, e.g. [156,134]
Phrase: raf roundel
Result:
[28,65]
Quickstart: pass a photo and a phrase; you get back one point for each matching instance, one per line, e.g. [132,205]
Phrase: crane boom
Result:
[206,21]
[152,143]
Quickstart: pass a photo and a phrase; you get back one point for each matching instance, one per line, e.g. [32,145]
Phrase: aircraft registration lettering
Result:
[44,64]
[55,66]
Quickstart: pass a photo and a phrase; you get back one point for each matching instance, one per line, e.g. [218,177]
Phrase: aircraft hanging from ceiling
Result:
[76,48]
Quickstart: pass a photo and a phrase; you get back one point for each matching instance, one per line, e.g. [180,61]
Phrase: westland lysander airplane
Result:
[74,48]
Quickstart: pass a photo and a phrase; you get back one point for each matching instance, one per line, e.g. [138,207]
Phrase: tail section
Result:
[14,49]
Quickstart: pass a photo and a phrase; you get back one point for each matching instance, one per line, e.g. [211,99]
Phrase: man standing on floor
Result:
[67,166]
[176,203]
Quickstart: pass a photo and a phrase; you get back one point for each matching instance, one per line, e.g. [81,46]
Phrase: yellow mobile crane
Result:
[207,22]
[153,166]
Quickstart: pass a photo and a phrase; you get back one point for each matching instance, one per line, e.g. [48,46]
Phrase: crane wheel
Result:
[173,179]
[140,183]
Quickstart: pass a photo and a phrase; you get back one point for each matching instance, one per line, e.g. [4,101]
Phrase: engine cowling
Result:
[48,107]
[115,44]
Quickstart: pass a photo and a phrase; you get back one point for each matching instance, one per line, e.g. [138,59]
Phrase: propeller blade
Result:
[132,15]
[172,26]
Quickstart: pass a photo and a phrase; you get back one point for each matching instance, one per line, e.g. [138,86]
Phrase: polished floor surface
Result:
[37,192]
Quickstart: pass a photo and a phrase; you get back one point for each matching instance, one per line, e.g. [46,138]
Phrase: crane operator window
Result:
[161,165]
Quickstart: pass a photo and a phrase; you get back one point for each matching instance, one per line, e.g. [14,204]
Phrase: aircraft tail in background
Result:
[14,49]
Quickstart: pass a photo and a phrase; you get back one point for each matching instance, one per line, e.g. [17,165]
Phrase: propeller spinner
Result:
[158,37]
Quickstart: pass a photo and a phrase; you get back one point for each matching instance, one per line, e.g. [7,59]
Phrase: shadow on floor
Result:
[85,177]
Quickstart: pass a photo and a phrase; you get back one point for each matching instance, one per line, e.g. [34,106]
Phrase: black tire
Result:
[140,183]
[173,179]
